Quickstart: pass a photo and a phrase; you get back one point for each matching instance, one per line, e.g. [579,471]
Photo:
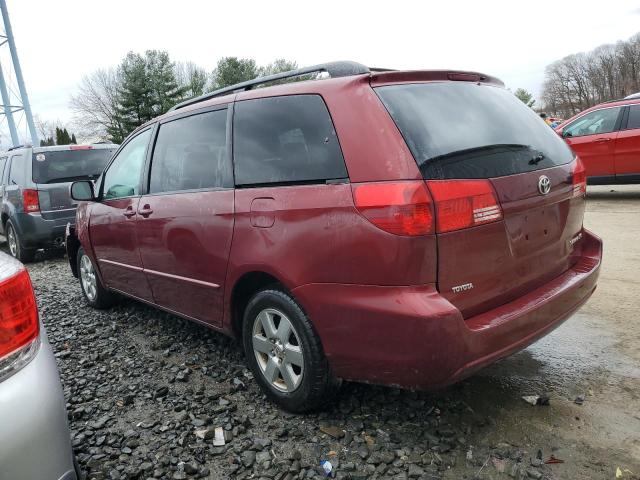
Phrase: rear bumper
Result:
[38,232]
[34,435]
[412,337]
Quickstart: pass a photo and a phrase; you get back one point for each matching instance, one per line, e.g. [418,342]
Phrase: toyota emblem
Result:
[544,185]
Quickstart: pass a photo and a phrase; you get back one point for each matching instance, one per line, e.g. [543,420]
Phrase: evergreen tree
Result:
[149,88]
[165,89]
[134,103]
[73,139]
[525,96]
[62,137]
[232,70]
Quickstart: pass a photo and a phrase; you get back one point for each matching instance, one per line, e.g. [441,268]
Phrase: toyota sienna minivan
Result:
[393,227]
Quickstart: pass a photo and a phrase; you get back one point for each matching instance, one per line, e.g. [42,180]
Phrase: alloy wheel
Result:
[88,278]
[11,240]
[278,350]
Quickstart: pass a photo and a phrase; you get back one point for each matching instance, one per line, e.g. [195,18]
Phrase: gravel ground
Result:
[139,384]
[145,391]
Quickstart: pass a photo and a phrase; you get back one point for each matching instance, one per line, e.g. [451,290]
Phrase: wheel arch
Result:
[247,285]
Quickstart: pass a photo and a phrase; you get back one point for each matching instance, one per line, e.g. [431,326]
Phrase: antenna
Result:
[23,100]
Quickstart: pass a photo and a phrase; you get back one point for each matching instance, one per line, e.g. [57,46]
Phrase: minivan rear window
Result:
[68,165]
[470,130]
[285,140]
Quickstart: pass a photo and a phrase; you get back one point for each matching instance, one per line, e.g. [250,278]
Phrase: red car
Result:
[607,140]
[394,227]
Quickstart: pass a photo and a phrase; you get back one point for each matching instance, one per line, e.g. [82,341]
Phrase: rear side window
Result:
[16,171]
[634,117]
[70,165]
[469,130]
[191,153]
[283,140]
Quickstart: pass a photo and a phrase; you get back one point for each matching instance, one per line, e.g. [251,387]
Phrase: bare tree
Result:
[95,106]
[585,79]
[46,128]
[192,78]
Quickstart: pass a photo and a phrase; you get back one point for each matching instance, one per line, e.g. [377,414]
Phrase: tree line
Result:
[582,80]
[113,102]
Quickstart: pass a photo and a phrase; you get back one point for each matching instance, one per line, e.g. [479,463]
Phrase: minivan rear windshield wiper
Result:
[495,148]
[483,162]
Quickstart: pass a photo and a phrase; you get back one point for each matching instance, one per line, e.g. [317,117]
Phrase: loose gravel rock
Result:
[146,390]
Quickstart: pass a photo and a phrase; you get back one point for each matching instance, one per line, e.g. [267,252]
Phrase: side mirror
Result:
[566,134]
[82,191]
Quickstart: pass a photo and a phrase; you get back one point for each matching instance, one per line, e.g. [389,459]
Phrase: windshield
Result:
[69,165]
[470,130]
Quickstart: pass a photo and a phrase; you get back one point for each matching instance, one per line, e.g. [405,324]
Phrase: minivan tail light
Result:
[30,200]
[579,178]
[463,203]
[18,313]
[401,208]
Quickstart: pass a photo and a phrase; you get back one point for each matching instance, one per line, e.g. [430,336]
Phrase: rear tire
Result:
[95,294]
[25,255]
[285,354]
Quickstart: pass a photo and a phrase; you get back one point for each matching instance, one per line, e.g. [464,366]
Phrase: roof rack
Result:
[334,69]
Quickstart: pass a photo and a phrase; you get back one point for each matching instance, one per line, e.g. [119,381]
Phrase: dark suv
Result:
[34,196]
[395,227]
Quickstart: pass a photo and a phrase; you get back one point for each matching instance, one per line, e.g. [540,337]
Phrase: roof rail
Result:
[334,69]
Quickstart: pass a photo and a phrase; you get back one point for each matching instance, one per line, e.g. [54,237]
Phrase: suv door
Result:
[113,220]
[627,151]
[592,137]
[185,221]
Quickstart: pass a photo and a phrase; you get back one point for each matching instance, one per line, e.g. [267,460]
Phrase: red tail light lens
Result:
[579,179]
[30,200]
[18,313]
[401,208]
[463,203]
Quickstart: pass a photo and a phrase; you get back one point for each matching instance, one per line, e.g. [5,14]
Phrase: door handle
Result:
[602,140]
[129,212]
[145,211]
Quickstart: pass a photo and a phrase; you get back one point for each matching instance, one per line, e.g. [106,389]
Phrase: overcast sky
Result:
[60,41]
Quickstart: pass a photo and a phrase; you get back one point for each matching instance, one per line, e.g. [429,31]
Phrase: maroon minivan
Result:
[395,227]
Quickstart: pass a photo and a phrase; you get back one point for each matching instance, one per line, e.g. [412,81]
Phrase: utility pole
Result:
[23,101]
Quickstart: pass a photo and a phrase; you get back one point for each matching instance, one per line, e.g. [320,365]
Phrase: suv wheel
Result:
[94,292]
[284,352]
[25,255]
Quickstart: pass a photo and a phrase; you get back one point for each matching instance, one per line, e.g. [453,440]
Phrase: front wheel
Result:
[92,289]
[285,353]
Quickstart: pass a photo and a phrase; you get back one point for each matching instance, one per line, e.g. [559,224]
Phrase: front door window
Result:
[598,122]
[122,179]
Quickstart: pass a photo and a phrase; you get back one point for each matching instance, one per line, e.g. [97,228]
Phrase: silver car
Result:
[34,436]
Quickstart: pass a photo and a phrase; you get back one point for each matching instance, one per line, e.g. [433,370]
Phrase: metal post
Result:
[18,70]
[7,110]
